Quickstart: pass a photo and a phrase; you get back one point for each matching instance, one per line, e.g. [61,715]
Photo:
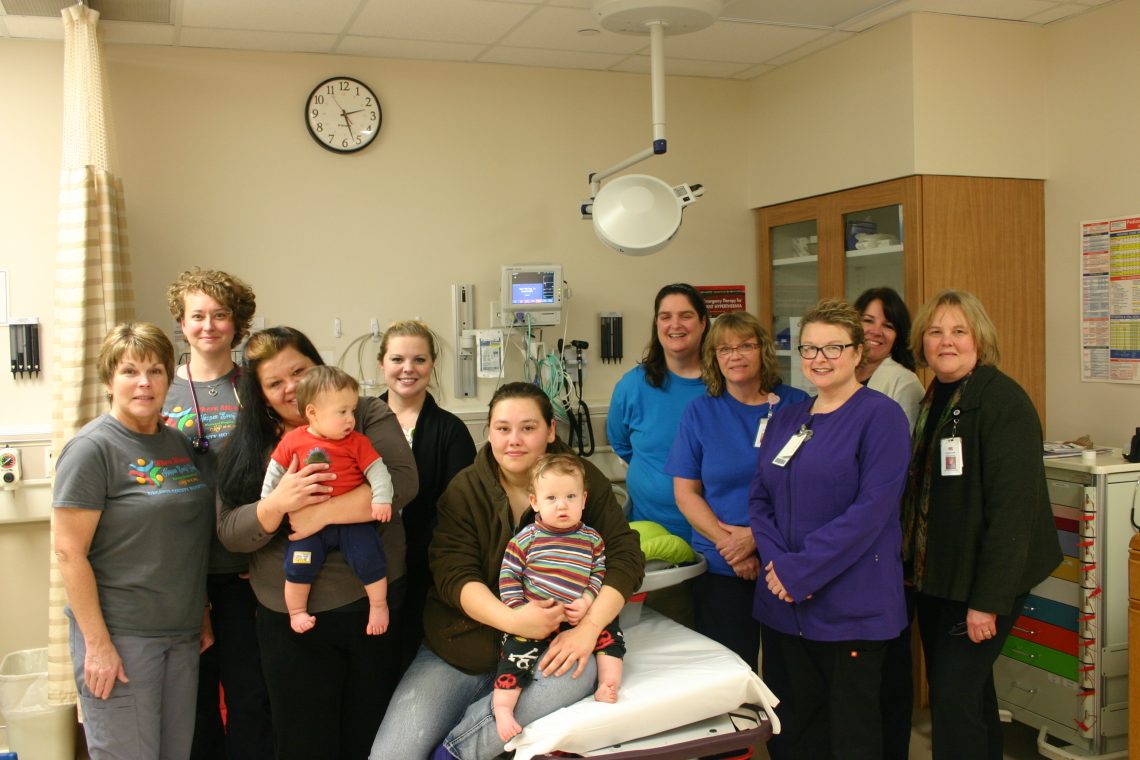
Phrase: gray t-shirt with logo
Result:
[150,547]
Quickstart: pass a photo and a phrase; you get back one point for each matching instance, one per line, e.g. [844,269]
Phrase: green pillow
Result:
[659,544]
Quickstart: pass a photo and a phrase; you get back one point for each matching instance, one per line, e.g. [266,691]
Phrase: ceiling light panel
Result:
[324,17]
[439,20]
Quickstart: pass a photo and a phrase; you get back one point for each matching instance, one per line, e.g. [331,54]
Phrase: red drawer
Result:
[1046,634]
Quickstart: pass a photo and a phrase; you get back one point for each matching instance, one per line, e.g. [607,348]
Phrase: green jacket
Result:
[470,538]
[991,535]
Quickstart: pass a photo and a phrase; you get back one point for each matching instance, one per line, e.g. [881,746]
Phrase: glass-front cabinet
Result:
[835,245]
[918,235]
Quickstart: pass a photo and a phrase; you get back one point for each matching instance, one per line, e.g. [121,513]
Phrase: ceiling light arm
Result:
[657,84]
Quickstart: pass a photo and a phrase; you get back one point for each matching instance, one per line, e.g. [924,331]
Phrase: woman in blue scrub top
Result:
[712,462]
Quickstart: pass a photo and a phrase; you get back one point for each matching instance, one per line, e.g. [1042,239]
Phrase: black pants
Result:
[722,610]
[896,701]
[329,687]
[234,661]
[963,704]
[833,686]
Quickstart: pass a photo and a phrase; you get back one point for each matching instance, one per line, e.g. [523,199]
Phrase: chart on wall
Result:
[1110,300]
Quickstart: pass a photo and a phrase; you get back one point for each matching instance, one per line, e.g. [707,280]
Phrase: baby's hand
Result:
[382,512]
[576,610]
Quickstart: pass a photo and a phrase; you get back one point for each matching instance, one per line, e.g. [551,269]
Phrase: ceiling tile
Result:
[326,16]
[754,71]
[740,42]
[826,41]
[558,59]
[879,16]
[1013,10]
[801,12]
[557,28]
[682,67]
[35,27]
[1058,12]
[128,33]
[285,42]
[481,21]
[434,51]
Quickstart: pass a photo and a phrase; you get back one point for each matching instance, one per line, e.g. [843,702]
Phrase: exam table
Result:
[682,696]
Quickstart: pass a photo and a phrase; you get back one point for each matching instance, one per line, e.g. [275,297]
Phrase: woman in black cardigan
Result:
[441,445]
[978,530]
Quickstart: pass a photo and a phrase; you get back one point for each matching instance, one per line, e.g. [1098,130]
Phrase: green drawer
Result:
[1059,663]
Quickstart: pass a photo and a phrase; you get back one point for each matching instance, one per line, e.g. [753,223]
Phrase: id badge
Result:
[760,432]
[791,447]
[952,456]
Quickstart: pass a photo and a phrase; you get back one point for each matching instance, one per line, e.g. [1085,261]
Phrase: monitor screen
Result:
[533,288]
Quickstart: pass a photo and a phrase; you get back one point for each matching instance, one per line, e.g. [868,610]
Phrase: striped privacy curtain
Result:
[93,282]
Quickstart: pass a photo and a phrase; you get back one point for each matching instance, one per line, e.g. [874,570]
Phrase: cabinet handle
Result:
[1022,688]
[1026,631]
[1023,653]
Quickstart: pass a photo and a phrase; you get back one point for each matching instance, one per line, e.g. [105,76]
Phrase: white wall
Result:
[1091,117]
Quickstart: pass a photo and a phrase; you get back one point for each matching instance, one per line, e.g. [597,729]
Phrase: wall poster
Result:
[1110,300]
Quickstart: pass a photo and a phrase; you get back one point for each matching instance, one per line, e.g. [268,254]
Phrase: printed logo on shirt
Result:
[172,475]
[302,558]
[317,455]
[217,422]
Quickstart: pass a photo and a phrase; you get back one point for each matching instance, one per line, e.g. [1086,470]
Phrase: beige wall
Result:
[476,166]
[979,97]
[839,118]
[1094,173]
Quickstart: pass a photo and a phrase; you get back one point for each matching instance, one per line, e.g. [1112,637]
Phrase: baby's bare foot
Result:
[506,724]
[377,619]
[302,621]
[607,692]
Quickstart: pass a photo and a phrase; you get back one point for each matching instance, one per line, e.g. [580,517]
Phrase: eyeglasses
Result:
[744,348]
[830,351]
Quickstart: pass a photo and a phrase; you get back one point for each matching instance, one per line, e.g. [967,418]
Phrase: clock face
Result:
[343,114]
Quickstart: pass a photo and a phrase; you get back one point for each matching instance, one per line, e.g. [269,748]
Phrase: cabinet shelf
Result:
[877,251]
[809,259]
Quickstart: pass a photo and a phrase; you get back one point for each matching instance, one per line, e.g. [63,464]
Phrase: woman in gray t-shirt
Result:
[132,533]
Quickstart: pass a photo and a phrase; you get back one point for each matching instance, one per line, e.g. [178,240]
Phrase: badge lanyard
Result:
[951,453]
[773,399]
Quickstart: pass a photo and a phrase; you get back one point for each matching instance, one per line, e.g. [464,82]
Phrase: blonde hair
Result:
[138,339]
[838,313]
[413,328]
[746,326]
[559,464]
[322,379]
[981,326]
[231,292]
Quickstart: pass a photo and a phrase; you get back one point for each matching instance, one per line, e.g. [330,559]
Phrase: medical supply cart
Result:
[1064,669]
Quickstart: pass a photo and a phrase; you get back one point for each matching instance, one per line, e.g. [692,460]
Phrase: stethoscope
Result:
[200,443]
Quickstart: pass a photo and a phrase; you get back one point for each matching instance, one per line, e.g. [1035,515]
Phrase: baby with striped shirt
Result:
[556,557]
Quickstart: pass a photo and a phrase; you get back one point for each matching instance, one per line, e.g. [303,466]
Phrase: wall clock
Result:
[343,114]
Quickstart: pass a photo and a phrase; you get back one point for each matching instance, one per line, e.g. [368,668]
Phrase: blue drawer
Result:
[1069,541]
[1049,611]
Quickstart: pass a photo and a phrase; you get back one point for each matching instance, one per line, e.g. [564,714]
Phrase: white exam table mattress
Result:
[673,676]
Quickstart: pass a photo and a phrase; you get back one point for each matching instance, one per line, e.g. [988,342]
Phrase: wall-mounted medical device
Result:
[531,294]
[24,340]
[463,313]
[9,468]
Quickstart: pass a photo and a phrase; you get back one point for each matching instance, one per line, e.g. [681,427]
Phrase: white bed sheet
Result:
[673,676]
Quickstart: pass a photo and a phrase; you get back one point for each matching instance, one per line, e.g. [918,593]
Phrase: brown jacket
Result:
[470,538]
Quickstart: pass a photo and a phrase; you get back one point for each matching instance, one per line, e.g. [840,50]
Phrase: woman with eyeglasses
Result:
[890,364]
[978,530]
[824,512]
[215,310]
[712,461]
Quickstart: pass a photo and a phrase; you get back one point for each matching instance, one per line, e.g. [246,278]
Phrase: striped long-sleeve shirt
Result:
[544,563]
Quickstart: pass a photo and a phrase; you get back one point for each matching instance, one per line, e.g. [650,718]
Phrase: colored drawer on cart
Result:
[1069,570]
[1065,592]
[1052,636]
[1069,541]
[1064,665]
[1049,611]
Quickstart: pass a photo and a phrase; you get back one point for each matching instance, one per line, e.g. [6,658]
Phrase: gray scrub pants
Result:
[152,716]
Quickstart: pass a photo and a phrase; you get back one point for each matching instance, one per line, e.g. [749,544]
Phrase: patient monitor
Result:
[531,294]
